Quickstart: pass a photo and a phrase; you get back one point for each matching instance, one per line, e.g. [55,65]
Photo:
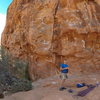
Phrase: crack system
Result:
[56,41]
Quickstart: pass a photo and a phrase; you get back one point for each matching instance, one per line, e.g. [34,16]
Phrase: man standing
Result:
[63,75]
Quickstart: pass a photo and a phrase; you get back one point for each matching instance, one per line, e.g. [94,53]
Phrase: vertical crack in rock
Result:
[56,42]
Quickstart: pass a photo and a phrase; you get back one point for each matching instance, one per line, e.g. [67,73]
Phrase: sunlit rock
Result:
[49,32]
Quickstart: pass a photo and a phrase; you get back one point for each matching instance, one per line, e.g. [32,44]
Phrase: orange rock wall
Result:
[50,32]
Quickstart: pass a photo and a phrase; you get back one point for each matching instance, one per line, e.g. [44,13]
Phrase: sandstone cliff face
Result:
[50,32]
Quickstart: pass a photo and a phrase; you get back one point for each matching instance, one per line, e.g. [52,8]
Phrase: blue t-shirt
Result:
[64,66]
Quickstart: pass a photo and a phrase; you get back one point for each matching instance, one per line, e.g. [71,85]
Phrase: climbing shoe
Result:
[62,88]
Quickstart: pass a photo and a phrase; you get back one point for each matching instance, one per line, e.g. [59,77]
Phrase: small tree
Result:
[20,68]
[13,74]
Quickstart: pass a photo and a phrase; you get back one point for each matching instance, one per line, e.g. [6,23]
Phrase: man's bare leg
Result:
[62,83]
[62,87]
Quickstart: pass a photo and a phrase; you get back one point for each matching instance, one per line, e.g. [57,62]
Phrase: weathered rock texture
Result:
[48,32]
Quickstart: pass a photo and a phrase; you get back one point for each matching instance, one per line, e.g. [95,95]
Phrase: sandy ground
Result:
[48,89]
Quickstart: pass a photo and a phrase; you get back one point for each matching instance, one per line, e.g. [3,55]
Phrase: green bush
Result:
[17,67]
[20,85]
[20,69]
[13,74]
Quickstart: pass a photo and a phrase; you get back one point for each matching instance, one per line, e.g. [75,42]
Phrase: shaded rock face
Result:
[50,32]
